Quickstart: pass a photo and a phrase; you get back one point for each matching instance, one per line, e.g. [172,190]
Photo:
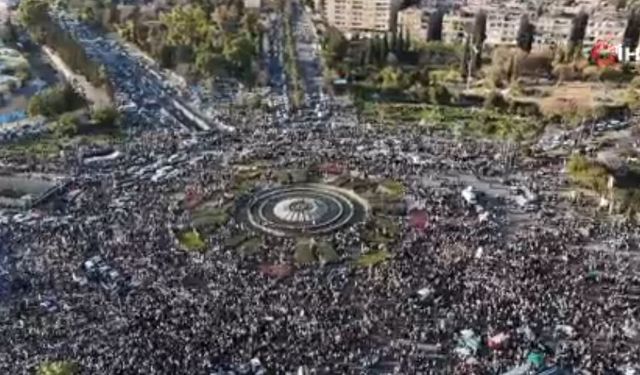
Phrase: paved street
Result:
[141,91]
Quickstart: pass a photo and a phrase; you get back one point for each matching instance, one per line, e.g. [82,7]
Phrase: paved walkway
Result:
[97,97]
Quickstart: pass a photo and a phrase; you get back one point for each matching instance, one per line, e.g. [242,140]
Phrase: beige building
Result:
[603,26]
[359,16]
[415,22]
[253,4]
[552,30]
[455,26]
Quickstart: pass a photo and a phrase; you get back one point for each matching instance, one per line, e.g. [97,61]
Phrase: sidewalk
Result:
[97,97]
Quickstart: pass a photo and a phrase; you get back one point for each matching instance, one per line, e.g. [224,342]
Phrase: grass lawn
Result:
[326,252]
[191,240]
[458,120]
[393,189]
[383,231]
[250,246]
[48,145]
[244,244]
[304,252]
[373,258]
[210,218]
[57,368]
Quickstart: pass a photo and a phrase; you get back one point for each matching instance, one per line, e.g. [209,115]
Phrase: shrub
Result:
[635,82]
[612,74]
[54,101]
[632,98]
[439,94]
[66,126]
[565,72]
[106,117]
[524,108]
[57,368]
[591,73]
[495,100]
[588,173]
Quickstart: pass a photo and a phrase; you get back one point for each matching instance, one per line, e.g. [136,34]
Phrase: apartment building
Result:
[552,30]
[605,26]
[455,26]
[555,7]
[359,16]
[252,4]
[442,4]
[415,22]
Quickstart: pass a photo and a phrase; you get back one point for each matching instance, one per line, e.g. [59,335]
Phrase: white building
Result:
[359,16]
[252,4]
[415,22]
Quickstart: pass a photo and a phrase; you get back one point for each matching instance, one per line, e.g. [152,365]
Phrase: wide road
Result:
[157,103]
[308,54]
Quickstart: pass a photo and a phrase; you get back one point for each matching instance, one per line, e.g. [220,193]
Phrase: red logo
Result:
[603,53]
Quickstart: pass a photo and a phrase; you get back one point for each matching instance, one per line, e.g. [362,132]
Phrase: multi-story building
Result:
[415,22]
[456,26]
[552,30]
[605,26]
[555,7]
[502,28]
[252,4]
[359,16]
[442,4]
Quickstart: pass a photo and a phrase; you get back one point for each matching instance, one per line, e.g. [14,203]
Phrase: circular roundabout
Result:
[305,209]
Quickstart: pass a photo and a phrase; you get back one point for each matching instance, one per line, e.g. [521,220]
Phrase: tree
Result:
[32,12]
[204,61]
[10,34]
[466,56]
[621,4]
[384,51]
[495,100]
[439,94]
[113,13]
[632,31]
[478,37]
[238,51]
[577,33]
[434,31]
[526,34]
[187,25]
[54,101]
[250,23]
[335,46]
[106,117]
[400,44]
[371,51]
[88,14]
[66,126]
[166,56]
[391,78]
[393,45]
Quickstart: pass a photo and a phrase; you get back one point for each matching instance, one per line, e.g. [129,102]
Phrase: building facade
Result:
[252,4]
[414,21]
[359,16]
[456,26]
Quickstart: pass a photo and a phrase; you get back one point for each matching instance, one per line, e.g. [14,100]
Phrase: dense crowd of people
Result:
[105,284]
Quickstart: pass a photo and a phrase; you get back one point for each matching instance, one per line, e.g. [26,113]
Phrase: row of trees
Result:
[34,16]
[294,77]
[54,101]
[210,40]
[380,51]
